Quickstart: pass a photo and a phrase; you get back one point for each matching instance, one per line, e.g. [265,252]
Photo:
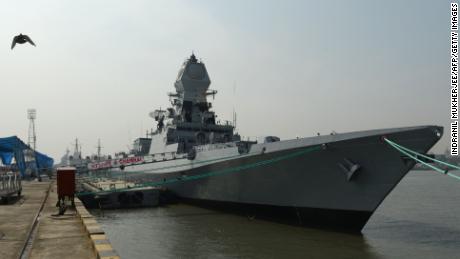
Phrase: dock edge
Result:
[99,240]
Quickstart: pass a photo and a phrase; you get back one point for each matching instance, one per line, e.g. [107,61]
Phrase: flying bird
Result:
[21,39]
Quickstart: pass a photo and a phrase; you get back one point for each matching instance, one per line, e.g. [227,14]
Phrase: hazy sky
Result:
[298,67]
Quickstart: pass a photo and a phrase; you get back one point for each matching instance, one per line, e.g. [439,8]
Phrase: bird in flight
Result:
[21,39]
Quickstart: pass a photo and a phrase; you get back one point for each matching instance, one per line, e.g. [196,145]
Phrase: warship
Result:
[329,181]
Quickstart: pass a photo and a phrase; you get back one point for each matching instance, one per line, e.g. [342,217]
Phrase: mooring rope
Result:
[414,155]
[212,173]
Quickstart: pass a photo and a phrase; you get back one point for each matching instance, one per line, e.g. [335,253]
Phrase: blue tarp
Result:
[11,144]
[6,157]
[43,161]
[14,147]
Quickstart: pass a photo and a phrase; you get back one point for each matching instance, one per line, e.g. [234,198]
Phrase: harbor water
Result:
[420,218]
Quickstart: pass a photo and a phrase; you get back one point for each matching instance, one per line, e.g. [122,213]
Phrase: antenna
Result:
[234,119]
[32,140]
[142,128]
[99,147]
[234,112]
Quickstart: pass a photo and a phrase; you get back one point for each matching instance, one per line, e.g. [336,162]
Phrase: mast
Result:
[77,152]
[99,147]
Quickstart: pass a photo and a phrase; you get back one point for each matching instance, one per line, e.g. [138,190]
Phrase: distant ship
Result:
[334,181]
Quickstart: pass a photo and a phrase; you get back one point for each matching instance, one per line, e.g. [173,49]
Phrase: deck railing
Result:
[10,183]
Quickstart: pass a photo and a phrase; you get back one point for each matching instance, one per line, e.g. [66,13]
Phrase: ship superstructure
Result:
[190,121]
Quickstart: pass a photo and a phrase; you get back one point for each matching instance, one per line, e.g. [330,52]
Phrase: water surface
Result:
[420,218]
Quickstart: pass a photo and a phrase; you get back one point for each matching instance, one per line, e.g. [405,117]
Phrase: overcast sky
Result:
[297,67]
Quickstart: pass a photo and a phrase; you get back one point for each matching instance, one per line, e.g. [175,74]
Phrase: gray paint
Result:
[316,180]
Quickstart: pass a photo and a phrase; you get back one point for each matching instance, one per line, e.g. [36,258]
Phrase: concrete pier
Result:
[60,237]
[53,237]
[17,218]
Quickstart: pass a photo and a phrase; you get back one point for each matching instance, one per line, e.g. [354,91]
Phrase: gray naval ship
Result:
[333,181]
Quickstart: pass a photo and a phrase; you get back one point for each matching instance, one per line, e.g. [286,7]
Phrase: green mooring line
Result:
[414,155]
[424,156]
[213,173]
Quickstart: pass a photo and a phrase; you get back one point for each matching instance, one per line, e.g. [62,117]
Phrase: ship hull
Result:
[337,220]
[313,183]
